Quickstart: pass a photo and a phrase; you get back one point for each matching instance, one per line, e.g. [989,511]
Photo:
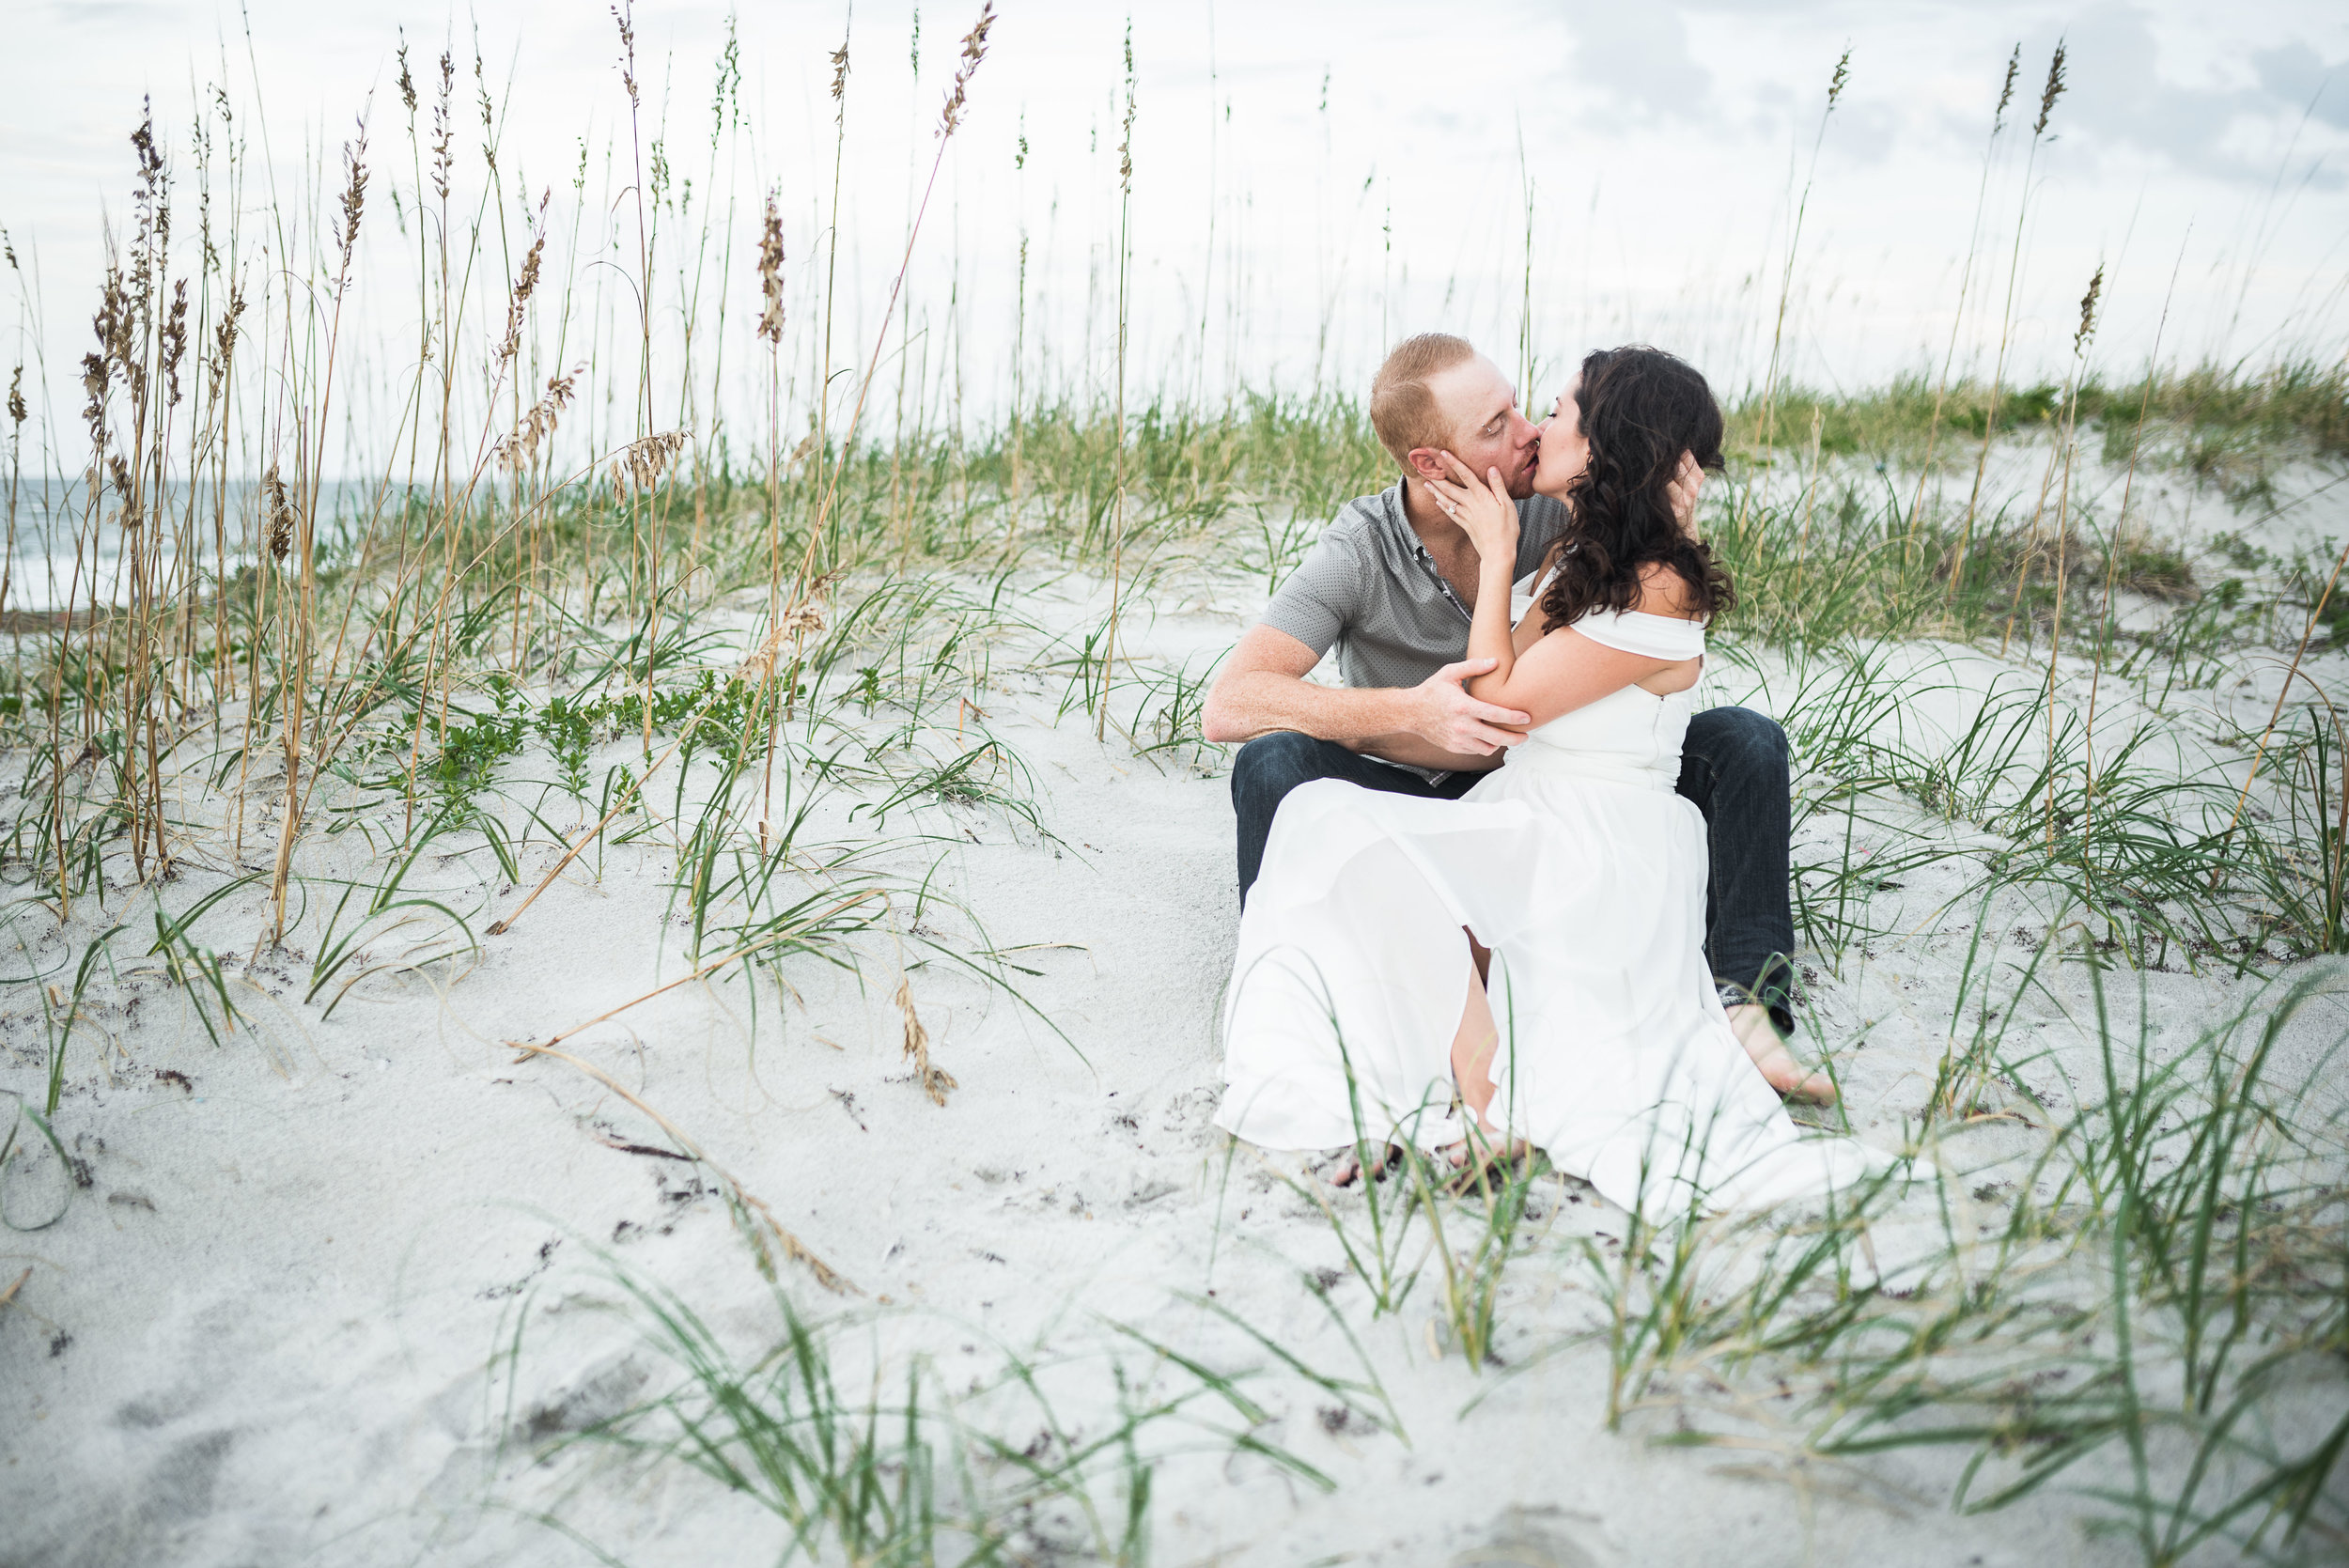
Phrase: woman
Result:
[1533,956]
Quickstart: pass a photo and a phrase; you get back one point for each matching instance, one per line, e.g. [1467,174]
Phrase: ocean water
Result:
[47,572]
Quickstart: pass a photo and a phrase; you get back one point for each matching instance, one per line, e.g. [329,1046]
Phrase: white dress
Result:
[1584,871]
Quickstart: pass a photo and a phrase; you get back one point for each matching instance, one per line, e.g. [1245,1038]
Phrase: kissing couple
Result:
[1507,878]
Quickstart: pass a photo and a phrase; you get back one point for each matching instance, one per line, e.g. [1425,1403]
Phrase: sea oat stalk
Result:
[1117,480]
[2113,571]
[2064,519]
[1794,239]
[305,531]
[1964,285]
[2047,96]
[771,332]
[973,54]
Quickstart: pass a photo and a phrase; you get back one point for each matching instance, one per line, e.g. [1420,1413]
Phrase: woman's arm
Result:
[1553,674]
[1491,526]
[1564,671]
[1529,627]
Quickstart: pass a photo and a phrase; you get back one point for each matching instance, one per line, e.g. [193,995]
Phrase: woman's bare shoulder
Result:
[1664,592]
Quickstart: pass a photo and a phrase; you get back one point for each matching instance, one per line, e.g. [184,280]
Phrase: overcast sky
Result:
[1314,179]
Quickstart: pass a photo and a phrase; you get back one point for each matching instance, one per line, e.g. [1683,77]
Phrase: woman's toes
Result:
[1349,1169]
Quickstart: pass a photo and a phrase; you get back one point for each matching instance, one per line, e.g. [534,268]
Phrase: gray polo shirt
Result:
[1369,587]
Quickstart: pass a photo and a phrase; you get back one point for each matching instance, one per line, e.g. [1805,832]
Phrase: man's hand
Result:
[1688,481]
[1449,718]
[1261,687]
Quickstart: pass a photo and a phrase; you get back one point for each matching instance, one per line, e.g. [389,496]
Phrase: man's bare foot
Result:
[1791,1079]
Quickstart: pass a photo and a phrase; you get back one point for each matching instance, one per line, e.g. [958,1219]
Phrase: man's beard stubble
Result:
[1521,488]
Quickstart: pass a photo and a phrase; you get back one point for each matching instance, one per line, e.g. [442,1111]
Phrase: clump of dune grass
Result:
[2142,1308]
[2227,423]
[865,1458]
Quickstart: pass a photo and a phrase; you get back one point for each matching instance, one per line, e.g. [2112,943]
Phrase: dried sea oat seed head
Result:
[771,274]
[2006,91]
[974,53]
[643,463]
[935,1080]
[281,515]
[2088,311]
[2053,90]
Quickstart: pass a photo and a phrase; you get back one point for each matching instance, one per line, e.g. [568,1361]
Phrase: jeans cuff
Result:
[1777,1002]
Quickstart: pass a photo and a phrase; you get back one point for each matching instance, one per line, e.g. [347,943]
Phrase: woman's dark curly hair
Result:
[1642,408]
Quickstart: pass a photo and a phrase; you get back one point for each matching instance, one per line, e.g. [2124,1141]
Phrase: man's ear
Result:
[1426,463]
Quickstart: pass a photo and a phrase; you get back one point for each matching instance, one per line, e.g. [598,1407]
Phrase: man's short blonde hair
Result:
[1402,410]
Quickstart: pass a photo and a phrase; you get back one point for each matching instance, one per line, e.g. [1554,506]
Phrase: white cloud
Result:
[1636,59]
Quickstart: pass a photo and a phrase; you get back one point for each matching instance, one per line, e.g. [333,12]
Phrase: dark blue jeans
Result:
[1732,766]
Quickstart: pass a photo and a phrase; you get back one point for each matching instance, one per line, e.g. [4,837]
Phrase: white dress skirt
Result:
[1583,870]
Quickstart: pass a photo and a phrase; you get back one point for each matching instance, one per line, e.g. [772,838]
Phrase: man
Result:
[1391,584]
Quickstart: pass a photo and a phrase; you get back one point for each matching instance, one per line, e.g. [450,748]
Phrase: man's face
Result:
[1480,409]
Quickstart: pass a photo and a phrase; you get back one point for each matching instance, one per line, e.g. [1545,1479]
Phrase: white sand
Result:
[272,1326]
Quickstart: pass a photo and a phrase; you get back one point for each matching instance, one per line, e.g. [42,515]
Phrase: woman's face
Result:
[1564,452]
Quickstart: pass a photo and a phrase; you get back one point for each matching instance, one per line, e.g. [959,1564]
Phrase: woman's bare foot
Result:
[1472,1158]
[1469,1158]
[1791,1079]
[1348,1169]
